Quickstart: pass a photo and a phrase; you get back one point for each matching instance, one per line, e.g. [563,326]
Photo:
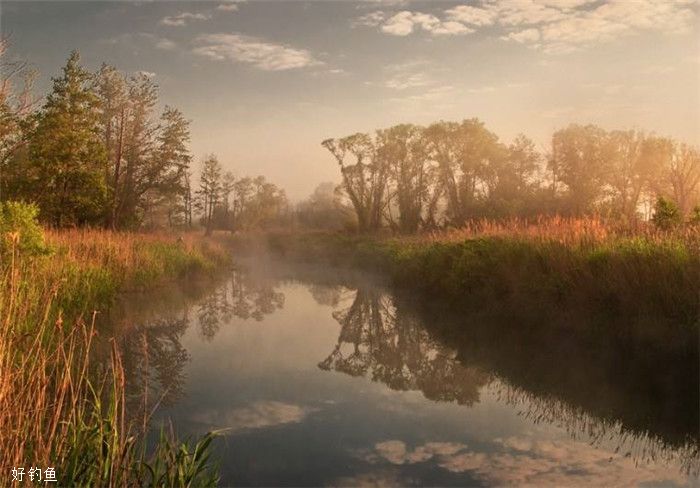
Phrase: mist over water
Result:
[330,377]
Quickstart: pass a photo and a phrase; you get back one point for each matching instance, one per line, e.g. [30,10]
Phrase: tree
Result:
[578,156]
[681,175]
[666,214]
[67,158]
[364,180]
[165,176]
[324,209]
[209,193]
[513,178]
[135,179]
[469,158]
[403,151]
[16,110]
[635,162]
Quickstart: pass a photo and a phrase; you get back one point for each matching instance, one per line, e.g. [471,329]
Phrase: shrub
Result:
[666,214]
[694,219]
[19,227]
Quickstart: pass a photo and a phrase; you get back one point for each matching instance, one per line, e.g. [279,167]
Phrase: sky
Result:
[265,82]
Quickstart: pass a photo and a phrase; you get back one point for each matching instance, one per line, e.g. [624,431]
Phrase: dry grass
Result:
[570,231]
[56,408]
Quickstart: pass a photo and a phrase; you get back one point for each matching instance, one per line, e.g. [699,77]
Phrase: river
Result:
[328,377]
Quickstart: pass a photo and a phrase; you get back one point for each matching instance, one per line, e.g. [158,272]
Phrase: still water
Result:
[329,378]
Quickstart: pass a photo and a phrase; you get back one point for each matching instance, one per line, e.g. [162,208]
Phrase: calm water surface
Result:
[329,379]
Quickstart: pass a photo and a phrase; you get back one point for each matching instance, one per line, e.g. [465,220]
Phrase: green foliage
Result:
[666,214]
[65,173]
[19,224]
[635,277]
[180,464]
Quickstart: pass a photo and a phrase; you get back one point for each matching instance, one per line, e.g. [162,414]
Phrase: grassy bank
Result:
[646,276]
[58,406]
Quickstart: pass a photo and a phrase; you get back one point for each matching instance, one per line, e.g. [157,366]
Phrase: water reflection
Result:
[387,341]
[390,346]
[155,360]
[621,408]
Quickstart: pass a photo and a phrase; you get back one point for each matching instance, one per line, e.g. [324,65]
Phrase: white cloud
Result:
[405,22]
[472,15]
[526,35]
[264,55]
[183,18]
[165,44]
[554,26]
[372,19]
[524,461]
[255,416]
[141,39]
[451,28]
[227,7]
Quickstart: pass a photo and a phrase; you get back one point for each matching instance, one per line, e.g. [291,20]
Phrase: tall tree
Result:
[578,155]
[680,175]
[209,193]
[16,109]
[403,151]
[364,177]
[67,157]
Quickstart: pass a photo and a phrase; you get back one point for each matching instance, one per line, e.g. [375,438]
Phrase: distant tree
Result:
[65,176]
[514,178]
[680,175]
[578,156]
[402,150]
[364,177]
[210,188]
[469,159]
[324,209]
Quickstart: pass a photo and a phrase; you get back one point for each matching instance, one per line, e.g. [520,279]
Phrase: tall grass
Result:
[578,264]
[61,408]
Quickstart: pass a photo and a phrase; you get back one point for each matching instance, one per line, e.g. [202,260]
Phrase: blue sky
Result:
[265,82]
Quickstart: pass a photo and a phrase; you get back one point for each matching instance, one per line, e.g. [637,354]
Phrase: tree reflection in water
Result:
[548,374]
[244,296]
[154,357]
[378,340]
[387,341]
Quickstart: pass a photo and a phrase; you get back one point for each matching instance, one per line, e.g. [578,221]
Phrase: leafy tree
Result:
[65,176]
[210,190]
[403,151]
[578,156]
[364,177]
[666,214]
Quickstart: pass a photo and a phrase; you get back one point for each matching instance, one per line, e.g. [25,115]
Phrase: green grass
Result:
[60,405]
[616,276]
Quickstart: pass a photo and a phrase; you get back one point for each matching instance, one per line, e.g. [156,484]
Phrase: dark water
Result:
[325,378]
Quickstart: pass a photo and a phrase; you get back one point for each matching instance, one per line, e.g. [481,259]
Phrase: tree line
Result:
[412,178]
[98,153]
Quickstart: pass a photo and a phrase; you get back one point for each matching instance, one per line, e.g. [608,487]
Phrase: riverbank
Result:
[59,408]
[646,278]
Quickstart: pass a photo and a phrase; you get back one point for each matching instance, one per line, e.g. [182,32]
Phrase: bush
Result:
[20,228]
[666,214]
[694,219]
